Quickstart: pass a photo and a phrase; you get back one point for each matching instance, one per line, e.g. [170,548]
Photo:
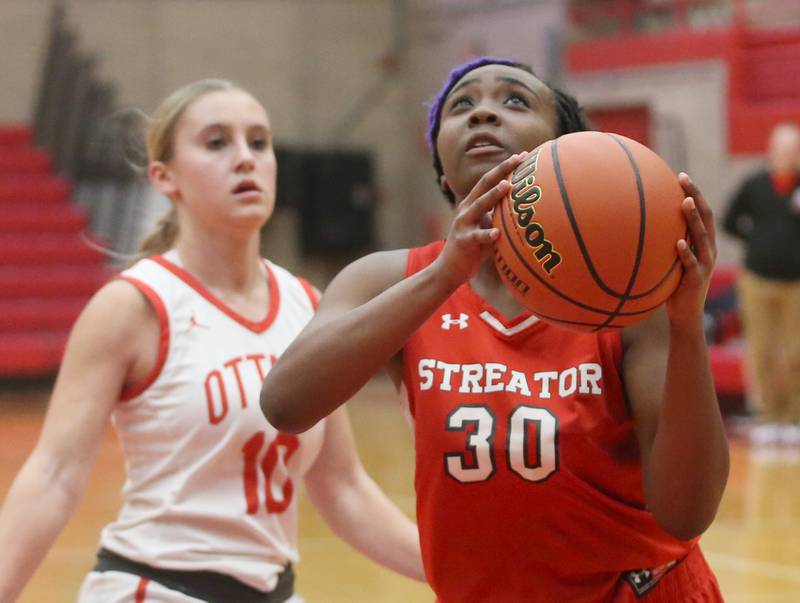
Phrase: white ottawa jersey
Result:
[211,485]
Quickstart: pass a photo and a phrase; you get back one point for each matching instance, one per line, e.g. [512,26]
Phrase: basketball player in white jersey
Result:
[174,352]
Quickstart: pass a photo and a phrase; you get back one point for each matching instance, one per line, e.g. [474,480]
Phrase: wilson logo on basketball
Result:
[524,194]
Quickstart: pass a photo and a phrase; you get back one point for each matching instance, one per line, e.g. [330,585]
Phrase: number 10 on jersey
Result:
[532,459]
[278,486]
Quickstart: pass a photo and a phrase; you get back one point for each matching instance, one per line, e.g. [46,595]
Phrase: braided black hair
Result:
[570,113]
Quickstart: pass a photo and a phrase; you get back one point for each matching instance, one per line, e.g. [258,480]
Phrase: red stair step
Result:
[48,267]
[22,219]
[16,161]
[52,281]
[33,188]
[15,135]
[30,315]
[31,354]
[48,249]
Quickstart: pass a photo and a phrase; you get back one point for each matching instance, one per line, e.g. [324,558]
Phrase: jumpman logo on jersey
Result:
[448,321]
[194,323]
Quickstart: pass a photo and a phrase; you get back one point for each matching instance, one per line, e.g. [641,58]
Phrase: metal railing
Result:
[76,120]
[603,18]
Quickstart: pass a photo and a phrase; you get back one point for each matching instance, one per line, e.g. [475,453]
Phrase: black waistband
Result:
[212,587]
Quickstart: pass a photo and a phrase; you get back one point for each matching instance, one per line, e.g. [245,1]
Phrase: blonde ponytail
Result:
[159,140]
[163,236]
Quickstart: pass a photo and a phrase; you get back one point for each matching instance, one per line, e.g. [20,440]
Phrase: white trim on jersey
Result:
[498,326]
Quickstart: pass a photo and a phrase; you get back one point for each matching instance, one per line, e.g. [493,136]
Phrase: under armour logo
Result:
[448,321]
[644,580]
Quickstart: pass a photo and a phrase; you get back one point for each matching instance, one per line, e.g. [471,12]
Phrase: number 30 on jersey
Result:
[533,459]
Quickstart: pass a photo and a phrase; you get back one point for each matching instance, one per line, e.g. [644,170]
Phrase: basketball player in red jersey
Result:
[174,352]
[551,466]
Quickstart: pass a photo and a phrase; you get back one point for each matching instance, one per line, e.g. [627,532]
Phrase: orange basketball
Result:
[588,231]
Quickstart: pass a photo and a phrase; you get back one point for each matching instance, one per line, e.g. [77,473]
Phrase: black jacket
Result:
[769,223]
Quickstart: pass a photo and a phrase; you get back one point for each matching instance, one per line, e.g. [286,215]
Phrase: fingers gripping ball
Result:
[588,231]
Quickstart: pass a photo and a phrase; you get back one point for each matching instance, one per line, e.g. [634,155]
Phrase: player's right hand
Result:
[471,232]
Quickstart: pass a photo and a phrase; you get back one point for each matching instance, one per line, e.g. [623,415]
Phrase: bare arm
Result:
[355,508]
[363,320]
[684,449]
[44,494]
[369,311]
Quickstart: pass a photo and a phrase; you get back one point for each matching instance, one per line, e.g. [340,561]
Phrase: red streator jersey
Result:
[528,474]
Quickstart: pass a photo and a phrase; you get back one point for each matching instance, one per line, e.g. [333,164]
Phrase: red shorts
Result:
[688,580]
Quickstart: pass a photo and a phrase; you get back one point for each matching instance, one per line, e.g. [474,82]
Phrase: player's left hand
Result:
[697,254]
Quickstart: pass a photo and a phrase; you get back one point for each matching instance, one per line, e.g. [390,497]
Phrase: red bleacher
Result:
[726,345]
[48,268]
